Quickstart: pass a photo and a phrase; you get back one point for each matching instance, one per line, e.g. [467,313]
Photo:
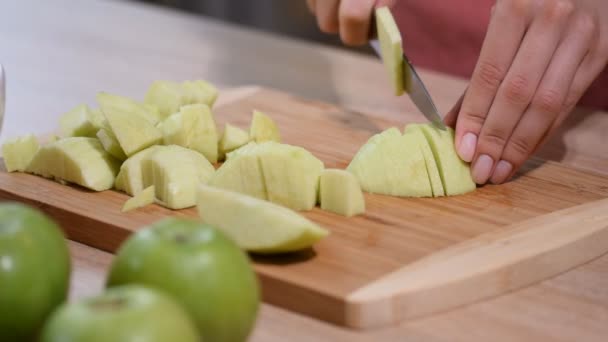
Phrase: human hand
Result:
[537,60]
[350,18]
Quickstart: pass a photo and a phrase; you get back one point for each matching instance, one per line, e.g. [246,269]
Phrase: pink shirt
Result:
[447,36]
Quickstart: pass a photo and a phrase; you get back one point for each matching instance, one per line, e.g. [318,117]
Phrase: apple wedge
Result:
[167,96]
[133,130]
[80,122]
[175,172]
[129,178]
[110,144]
[242,172]
[199,92]
[455,173]
[232,139]
[392,164]
[125,104]
[19,152]
[142,199]
[429,159]
[259,226]
[341,193]
[391,49]
[263,128]
[79,160]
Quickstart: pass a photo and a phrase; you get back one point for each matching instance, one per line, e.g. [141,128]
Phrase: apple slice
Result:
[130,177]
[291,174]
[142,199]
[167,96]
[202,135]
[263,128]
[110,144]
[19,152]
[391,49]
[175,172]
[242,172]
[259,226]
[392,164]
[79,122]
[146,111]
[455,173]
[429,159]
[79,160]
[199,92]
[133,129]
[232,139]
[341,193]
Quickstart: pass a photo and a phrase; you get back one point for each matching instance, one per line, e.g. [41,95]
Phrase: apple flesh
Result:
[232,139]
[263,128]
[200,268]
[341,193]
[175,172]
[122,314]
[170,96]
[34,271]
[199,91]
[77,160]
[80,122]
[391,49]
[260,226]
[392,164]
[110,144]
[142,199]
[429,159]
[130,178]
[19,152]
[134,129]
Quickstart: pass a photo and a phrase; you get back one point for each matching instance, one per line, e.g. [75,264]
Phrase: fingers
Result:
[505,33]
[562,86]
[311,5]
[327,15]
[355,18]
[517,90]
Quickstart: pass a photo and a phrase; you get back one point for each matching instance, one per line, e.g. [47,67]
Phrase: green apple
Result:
[201,268]
[256,225]
[77,160]
[392,164]
[123,314]
[340,193]
[19,152]
[34,271]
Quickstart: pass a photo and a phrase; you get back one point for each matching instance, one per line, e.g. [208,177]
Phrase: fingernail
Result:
[482,168]
[467,146]
[502,171]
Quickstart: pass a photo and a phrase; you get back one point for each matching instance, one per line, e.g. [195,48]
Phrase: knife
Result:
[415,88]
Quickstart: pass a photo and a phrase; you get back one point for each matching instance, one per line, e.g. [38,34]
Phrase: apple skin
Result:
[34,271]
[205,271]
[122,314]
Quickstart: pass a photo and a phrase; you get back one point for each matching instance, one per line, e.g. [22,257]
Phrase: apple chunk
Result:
[175,172]
[78,160]
[141,199]
[341,193]
[263,128]
[259,226]
[18,153]
[429,159]
[391,49]
[392,164]
[232,139]
[110,143]
[80,122]
[455,173]
[133,130]
[129,177]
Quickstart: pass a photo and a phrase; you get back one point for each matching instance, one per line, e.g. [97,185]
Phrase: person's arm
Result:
[538,59]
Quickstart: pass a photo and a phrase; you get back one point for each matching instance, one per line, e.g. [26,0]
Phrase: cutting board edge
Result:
[427,287]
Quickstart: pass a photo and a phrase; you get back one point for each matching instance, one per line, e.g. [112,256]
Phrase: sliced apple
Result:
[256,225]
[429,159]
[110,144]
[167,96]
[242,172]
[392,164]
[202,135]
[199,91]
[79,160]
[455,173]
[232,139]
[79,122]
[341,193]
[263,128]
[133,130]
[142,199]
[175,172]
[19,152]
[391,49]
[130,178]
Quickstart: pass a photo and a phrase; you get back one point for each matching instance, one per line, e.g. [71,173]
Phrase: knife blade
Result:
[416,89]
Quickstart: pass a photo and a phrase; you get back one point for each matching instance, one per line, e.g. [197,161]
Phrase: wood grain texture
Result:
[394,231]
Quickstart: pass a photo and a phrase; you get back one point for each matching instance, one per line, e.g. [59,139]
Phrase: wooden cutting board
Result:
[405,257]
